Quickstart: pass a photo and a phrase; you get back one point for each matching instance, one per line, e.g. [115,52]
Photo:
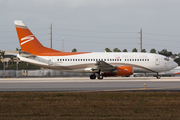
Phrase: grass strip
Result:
[89,105]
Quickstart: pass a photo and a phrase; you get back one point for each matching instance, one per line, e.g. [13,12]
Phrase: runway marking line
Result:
[143,89]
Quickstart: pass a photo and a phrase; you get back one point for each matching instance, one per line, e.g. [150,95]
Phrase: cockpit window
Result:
[167,59]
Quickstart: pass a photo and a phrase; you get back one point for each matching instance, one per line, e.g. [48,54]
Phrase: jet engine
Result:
[120,71]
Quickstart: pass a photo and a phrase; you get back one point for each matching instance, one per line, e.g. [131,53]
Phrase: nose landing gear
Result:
[158,76]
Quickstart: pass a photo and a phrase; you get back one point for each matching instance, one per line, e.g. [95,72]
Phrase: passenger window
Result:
[104,59]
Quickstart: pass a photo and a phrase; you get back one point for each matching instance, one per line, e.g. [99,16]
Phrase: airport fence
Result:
[39,73]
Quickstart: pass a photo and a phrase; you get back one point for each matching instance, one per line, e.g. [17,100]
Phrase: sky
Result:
[93,25]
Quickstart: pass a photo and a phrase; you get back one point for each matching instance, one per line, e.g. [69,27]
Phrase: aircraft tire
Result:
[158,77]
[92,76]
[99,76]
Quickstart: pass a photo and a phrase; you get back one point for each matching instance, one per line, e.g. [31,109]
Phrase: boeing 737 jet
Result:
[100,64]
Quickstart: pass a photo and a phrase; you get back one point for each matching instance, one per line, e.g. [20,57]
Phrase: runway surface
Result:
[85,84]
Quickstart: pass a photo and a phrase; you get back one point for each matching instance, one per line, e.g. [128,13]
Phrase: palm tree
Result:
[143,50]
[116,50]
[134,50]
[152,51]
[11,59]
[2,53]
[74,50]
[107,50]
[125,50]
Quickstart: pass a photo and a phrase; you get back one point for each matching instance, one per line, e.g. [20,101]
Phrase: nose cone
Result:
[174,65]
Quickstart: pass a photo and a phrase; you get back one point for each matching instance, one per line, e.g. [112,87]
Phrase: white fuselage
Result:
[141,62]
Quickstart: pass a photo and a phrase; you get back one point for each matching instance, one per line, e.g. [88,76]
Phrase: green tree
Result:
[23,66]
[116,50]
[2,53]
[165,52]
[143,50]
[11,59]
[125,50]
[153,51]
[134,50]
[107,50]
[177,61]
[17,49]
[74,50]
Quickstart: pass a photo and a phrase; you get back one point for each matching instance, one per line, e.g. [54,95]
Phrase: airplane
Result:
[100,64]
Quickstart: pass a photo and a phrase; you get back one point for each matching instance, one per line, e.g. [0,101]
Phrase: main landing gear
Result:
[99,76]
[93,76]
[158,76]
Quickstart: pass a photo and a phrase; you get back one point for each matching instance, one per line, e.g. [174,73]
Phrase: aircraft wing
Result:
[103,66]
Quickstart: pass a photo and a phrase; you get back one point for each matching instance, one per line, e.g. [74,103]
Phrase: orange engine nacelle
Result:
[121,71]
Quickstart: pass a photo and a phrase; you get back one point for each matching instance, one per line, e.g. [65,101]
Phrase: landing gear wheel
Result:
[100,76]
[158,76]
[92,76]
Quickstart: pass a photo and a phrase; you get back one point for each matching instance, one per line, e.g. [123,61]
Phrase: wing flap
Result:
[103,66]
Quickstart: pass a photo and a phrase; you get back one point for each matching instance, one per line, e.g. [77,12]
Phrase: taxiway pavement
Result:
[85,84]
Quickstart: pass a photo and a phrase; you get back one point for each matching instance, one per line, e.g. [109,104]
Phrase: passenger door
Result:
[50,60]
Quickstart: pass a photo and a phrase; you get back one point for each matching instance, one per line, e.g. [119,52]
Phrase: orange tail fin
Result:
[29,42]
